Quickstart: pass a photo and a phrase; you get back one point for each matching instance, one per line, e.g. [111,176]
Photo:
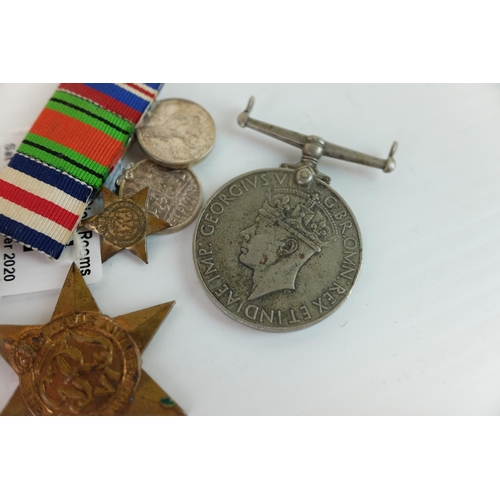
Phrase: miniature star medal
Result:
[124,224]
[83,362]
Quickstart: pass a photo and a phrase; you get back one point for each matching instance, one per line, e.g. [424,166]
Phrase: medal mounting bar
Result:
[313,148]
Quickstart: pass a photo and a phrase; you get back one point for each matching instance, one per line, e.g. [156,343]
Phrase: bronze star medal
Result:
[124,223]
[83,362]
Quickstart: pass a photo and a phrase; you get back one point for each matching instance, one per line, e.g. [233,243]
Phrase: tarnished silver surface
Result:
[177,133]
[276,255]
[279,249]
[328,149]
[174,195]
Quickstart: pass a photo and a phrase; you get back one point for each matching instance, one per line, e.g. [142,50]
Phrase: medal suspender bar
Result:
[64,159]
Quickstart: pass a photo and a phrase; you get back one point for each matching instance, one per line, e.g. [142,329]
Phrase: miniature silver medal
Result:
[176,134]
[278,249]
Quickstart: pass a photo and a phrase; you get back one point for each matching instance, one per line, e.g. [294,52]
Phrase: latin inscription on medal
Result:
[275,256]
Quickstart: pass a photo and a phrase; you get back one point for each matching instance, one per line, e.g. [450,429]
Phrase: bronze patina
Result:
[124,224]
[83,362]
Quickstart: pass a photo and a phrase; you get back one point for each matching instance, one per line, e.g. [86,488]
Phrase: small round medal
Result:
[174,196]
[177,133]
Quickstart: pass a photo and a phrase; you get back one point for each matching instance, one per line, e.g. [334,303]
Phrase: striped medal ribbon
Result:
[64,159]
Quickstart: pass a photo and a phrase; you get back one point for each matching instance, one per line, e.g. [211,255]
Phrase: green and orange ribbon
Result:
[66,156]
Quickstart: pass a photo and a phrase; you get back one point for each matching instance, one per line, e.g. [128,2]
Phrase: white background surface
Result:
[420,333]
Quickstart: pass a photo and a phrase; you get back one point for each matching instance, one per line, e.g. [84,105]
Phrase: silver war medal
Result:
[278,249]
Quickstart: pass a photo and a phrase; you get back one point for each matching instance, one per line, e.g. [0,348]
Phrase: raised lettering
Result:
[352,243]
[106,388]
[268,318]
[225,199]
[294,318]
[220,208]
[230,299]
[281,180]
[347,257]
[320,305]
[209,218]
[221,291]
[345,274]
[330,202]
[253,182]
[337,288]
[345,225]
[255,311]
[211,266]
[305,312]
[235,190]
[207,229]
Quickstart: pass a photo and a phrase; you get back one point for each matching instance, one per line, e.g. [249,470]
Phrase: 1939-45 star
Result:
[83,362]
[124,224]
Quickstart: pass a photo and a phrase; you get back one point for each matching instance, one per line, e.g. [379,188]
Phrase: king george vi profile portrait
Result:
[291,227]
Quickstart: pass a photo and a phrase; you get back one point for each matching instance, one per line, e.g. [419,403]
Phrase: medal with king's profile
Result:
[278,249]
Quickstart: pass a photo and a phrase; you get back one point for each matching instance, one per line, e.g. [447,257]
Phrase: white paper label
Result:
[9,146]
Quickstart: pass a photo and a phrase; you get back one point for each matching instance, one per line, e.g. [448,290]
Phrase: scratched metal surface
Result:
[420,333]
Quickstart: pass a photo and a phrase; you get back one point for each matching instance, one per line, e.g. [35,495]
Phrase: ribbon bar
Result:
[65,158]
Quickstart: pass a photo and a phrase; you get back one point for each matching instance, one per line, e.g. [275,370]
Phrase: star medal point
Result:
[124,224]
[83,362]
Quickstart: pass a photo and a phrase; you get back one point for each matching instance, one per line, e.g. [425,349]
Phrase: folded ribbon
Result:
[66,156]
